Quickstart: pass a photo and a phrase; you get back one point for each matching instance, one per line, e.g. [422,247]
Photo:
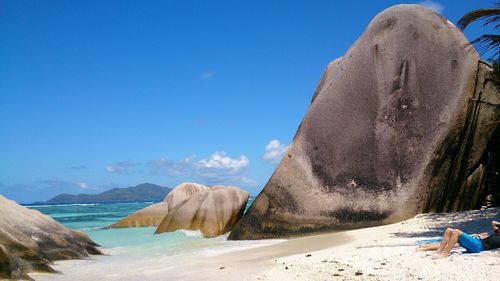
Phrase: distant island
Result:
[141,192]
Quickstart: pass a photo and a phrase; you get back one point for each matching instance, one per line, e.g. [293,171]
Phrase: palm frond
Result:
[486,43]
[492,20]
[489,15]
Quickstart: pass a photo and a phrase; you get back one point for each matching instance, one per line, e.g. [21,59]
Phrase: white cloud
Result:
[274,151]
[170,168]
[207,75]
[435,6]
[120,167]
[60,184]
[82,185]
[219,168]
[220,161]
[248,181]
[222,169]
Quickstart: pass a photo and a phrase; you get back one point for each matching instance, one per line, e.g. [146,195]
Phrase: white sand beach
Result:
[378,253]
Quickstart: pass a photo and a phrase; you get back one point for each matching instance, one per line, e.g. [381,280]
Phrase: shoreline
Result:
[385,252]
[378,253]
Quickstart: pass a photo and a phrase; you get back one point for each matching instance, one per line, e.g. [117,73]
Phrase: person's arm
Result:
[496,226]
[484,235]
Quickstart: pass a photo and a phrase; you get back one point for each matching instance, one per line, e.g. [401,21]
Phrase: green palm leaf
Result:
[486,43]
[488,15]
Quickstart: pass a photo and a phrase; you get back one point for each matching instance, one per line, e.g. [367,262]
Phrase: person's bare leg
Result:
[446,238]
[428,247]
[451,243]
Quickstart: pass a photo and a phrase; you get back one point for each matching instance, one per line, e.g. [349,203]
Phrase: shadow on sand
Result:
[477,221]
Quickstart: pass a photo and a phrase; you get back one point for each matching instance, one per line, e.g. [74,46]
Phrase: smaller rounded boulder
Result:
[213,211]
[154,214]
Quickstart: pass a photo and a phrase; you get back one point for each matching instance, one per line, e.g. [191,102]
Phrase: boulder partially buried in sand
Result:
[395,128]
[30,241]
[213,211]
[154,214]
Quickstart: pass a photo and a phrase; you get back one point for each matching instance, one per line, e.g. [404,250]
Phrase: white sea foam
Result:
[87,204]
[61,205]
[93,228]
[153,259]
[190,233]
[132,253]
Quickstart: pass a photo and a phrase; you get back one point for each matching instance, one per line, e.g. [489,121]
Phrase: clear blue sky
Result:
[101,94]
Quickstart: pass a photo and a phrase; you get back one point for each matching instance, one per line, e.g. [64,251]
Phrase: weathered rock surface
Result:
[30,241]
[150,216]
[183,192]
[394,129]
[213,211]
[154,214]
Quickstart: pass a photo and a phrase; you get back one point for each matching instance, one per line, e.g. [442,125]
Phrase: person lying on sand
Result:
[474,243]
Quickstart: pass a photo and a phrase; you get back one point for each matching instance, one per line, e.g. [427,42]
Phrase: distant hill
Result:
[141,192]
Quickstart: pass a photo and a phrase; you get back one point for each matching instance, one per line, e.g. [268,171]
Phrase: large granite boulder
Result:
[395,128]
[183,192]
[213,211]
[155,213]
[30,241]
[150,216]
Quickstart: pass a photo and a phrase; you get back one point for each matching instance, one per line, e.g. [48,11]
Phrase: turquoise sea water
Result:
[94,218]
[132,253]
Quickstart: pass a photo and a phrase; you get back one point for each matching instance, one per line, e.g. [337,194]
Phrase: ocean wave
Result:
[93,228]
[61,205]
[86,204]
[190,233]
